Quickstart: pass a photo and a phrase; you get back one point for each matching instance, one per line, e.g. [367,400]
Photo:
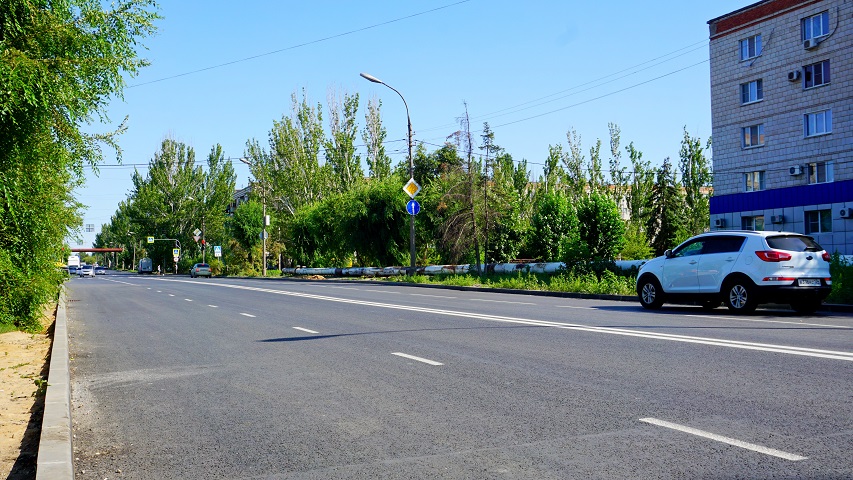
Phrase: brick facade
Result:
[781,112]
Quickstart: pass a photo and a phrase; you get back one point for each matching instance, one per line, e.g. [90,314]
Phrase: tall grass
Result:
[600,282]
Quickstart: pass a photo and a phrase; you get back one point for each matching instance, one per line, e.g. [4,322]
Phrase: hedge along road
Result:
[180,378]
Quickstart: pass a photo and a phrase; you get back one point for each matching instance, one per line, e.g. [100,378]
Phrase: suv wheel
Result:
[650,293]
[740,296]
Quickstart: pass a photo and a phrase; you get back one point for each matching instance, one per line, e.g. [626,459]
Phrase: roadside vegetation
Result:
[60,63]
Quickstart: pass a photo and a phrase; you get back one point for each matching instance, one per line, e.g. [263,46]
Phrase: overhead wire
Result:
[300,45]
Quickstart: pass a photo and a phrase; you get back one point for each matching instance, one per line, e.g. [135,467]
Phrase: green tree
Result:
[554,219]
[340,151]
[696,179]
[247,225]
[666,212]
[600,226]
[378,161]
[60,63]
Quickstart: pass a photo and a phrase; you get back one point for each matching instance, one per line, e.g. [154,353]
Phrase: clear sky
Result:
[222,72]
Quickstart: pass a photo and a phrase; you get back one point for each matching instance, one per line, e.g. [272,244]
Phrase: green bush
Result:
[842,280]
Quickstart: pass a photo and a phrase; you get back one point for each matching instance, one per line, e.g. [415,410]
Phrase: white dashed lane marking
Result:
[417,359]
[304,330]
[729,441]
[247,315]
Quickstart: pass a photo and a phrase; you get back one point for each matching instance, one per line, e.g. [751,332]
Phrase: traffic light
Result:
[202,242]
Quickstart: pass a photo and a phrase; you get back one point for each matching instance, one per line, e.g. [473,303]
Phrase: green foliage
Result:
[600,279]
[600,226]
[666,210]
[60,63]
[696,177]
[554,228]
[247,224]
[340,146]
[378,161]
[636,244]
[842,280]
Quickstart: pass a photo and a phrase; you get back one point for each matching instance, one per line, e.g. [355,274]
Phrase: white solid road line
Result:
[304,330]
[500,301]
[719,342]
[418,359]
[577,308]
[730,441]
[425,295]
[247,315]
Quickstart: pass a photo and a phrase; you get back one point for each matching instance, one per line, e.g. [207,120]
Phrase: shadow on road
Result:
[321,337]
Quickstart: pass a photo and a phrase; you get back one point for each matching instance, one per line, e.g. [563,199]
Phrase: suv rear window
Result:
[723,244]
[794,243]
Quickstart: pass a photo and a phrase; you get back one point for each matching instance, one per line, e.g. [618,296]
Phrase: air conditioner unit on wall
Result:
[846,213]
[810,43]
[719,222]
[796,170]
[777,219]
[793,76]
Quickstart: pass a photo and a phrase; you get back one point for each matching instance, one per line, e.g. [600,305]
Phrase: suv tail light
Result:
[773,256]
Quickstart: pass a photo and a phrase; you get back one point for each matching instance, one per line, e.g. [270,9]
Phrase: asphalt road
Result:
[185,378]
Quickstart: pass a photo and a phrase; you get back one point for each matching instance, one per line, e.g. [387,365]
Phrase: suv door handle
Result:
[693,262]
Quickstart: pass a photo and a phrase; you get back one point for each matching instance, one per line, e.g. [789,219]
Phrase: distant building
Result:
[781,110]
[240,196]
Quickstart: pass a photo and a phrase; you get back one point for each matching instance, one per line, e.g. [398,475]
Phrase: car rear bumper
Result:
[793,293]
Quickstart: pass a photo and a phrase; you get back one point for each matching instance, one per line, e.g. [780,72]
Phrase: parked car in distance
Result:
[100,270]
[740,269]
[200,270]
[86,271]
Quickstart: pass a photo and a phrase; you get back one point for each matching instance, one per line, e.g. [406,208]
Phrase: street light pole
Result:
[412,267]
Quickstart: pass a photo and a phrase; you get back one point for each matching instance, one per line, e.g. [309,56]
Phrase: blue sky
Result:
[533,70]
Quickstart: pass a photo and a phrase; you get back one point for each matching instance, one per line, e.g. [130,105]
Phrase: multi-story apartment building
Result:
[781,109]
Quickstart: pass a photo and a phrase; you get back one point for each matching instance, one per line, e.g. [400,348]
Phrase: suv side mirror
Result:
[667,253]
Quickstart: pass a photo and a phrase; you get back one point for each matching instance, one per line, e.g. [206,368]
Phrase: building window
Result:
[815,26]
[820,172]
[751,92]
[754,181]
[817,123]
[752,223]
[816,74]
[818,221]
[753,136]
[750,47]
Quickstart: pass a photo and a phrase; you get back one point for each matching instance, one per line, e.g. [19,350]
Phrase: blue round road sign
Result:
[413,207]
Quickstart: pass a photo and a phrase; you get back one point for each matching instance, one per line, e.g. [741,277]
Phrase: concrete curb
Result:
[55,453]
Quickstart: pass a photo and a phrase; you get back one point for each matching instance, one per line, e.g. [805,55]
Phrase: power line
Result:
[300,45]
[595,82]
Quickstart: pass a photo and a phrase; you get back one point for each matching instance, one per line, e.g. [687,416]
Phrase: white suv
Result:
[740,269]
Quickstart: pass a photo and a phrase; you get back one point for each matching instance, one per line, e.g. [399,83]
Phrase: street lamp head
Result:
[371,78]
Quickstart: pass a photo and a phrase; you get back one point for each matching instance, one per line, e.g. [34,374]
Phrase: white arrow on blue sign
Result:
[413,207]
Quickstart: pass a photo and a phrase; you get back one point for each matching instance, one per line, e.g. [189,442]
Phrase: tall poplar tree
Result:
[60,64]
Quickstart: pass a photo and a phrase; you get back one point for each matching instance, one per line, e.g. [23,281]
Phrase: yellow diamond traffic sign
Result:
[411,188]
